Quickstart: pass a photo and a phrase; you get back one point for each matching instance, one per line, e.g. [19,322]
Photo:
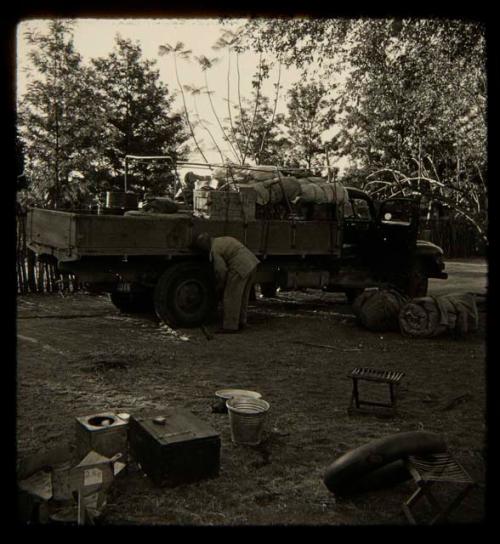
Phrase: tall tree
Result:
[180,51]
[310,114]
[56,117]
[139,121]
[265,144]
[414,99]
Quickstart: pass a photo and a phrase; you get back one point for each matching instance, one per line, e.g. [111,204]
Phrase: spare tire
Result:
[347,472]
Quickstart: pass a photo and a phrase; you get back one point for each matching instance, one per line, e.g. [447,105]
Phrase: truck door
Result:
[395,239]
[358,227]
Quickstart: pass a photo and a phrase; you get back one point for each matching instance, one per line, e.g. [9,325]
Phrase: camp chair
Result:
[426,471]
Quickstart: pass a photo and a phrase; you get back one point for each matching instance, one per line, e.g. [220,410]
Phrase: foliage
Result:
[179,51]
[76,123]
[265,143]
[413,102]
[57,120]
[137,108]
[310,113]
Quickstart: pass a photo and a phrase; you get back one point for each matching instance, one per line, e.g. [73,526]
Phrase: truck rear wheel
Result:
[269,289]
[353,294]
[185,295]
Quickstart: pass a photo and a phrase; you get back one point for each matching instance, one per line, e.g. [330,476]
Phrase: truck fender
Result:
[431,257]
[427,249]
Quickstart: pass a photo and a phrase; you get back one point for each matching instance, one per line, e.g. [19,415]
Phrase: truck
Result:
[147,261]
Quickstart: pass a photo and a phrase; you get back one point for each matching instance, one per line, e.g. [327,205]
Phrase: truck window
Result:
[398,212]
[361,209]
[357,209]
[348,209]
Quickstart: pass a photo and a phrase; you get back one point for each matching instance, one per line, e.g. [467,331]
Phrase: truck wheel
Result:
[185,295]
[353,294]
[133,303]
[418,282]
[268,290]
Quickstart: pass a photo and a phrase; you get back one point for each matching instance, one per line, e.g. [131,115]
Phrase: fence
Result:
[458,239]
[33,275]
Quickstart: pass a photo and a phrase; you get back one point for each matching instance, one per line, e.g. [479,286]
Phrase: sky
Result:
[95,38]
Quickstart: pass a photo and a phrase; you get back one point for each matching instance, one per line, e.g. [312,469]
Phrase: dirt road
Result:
[78,355]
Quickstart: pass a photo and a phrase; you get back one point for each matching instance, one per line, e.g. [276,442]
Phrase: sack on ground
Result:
[378,309]
[427,317]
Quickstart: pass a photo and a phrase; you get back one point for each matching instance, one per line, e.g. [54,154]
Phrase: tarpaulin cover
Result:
[378,309]
[432,316]
[160,205]
[297,191]
[240,175]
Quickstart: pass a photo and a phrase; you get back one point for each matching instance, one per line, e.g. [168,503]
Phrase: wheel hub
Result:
[189,295]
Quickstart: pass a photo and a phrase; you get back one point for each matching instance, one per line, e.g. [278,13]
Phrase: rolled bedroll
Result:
[378,309]
[427,317]
[346,474]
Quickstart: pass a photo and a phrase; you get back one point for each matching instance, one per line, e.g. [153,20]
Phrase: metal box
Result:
[174,447]
[104,433]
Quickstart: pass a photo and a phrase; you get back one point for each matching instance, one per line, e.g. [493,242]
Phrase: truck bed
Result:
[70,236]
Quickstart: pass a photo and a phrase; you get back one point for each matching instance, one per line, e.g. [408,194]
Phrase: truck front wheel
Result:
[185,295]
[418,283]
[415,282]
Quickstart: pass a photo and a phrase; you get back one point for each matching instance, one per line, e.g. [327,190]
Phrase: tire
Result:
[414,283]
[185,295]
[268,290]
[133,303]
[418,283]
[347,472]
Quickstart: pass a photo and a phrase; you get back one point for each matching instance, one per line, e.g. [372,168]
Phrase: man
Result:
[234,268]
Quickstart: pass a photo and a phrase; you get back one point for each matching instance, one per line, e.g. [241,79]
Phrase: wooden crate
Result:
[225,205]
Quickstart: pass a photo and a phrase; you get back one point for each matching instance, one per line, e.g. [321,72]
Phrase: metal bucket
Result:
[223,395]
[247,417]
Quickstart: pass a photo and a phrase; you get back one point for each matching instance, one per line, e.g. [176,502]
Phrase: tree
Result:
[265,143]
[57,118]
[137,108]
[310,114]
[414,100]
[179,51]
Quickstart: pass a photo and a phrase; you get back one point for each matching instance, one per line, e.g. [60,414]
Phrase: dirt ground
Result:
[78,355]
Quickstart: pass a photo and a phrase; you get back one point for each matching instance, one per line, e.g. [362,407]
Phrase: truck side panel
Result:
[137,235]
[49,231]
[278,237]
[79,235]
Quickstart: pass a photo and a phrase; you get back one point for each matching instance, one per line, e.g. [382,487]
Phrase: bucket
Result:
[223,395]
[247,417]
